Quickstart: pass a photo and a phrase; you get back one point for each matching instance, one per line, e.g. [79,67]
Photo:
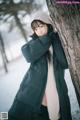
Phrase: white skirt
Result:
[51,93]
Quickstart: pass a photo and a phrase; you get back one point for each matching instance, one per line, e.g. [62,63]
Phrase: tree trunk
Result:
[66,19]
[3,53]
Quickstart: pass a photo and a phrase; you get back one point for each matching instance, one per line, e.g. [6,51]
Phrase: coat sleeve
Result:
[35,49]
[59,52]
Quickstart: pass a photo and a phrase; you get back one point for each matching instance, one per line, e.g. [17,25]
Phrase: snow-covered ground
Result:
[9,84]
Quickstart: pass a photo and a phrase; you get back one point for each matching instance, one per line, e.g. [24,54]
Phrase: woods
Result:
[66,19]
[11,9]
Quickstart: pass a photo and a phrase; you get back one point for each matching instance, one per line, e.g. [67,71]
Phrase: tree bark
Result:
[66,19]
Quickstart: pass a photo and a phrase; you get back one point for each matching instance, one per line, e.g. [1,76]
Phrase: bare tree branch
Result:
[20,26]
[13,8]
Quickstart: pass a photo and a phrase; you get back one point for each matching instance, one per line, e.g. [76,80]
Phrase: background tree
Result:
[3,53]
[9,8]
[66,19]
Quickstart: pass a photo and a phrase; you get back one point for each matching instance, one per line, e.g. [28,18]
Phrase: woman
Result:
[46,55]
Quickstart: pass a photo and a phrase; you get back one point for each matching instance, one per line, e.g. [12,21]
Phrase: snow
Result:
[10,82]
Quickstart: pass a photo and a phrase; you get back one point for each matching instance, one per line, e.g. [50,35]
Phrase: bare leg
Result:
[44,101]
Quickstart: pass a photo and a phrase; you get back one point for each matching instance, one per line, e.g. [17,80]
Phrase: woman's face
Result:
[41,30]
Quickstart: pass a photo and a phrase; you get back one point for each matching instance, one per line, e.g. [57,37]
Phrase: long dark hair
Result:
[34,24]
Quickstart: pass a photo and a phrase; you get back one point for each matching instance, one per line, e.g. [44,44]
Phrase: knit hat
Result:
[43,16]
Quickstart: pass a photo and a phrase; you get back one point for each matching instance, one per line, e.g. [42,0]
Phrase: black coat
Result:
[32,88]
